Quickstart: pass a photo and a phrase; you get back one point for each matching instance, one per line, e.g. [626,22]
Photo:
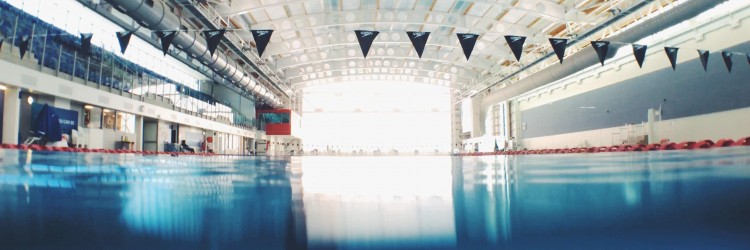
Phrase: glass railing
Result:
[53,51]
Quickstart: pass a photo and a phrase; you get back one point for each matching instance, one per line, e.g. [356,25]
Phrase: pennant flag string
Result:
[262,37]
[559,45]
[467,41]
[639,51]
[213,38]
[365,38]
[86,43]
[703,54]
[601,48]
[516,45]
[727,60]
[166,40]
[672,55]
[124,39]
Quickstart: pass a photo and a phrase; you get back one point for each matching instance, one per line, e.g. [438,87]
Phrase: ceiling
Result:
[314,41]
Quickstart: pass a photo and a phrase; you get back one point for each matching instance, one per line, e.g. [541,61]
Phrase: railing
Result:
[56,52]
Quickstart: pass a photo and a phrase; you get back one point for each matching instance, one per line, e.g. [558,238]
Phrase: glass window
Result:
[108,119]
[92,117]
[125,122]
[275,118]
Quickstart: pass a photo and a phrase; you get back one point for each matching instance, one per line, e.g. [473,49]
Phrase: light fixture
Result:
[3,88]
[88,107]
[30,100]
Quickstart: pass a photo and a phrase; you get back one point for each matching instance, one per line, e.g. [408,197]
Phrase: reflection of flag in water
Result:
[496,147]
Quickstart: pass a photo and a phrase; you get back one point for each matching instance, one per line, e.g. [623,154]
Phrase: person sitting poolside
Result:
[186,147]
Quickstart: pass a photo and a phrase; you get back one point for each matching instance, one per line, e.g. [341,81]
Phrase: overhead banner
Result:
[704,58]
[672,55]
[124,39]
[639,51]
[24,46]
[365,39]
[166,39]
[213,38]
[558,45]
[601,48]
[467,41]
[727,60]
[262,37]
[418,40]
[516,45]
[86,43]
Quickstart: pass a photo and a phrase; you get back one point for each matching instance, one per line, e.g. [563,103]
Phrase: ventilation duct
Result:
[586,58]
[156,17]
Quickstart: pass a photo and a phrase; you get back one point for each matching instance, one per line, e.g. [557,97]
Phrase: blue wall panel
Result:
[687,91]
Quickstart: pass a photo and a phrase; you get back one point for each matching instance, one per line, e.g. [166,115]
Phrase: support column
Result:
[11,115]
[138,132]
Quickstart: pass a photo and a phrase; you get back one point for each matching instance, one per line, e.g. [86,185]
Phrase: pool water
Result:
[662,199]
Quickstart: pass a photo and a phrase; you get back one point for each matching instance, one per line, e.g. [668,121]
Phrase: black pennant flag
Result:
[1,42]
[704,58]
[516,45]
[467,41]
[748,58]
[262,37]
[601,48]
[24,46]
[213,37]
[365,38]
[166,39]
[559,44]
[124,39]
[418,40]
[639,51]
[727,60]
[672,54]
[86,43]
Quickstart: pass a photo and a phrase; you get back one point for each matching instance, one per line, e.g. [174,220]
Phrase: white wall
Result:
[713,33]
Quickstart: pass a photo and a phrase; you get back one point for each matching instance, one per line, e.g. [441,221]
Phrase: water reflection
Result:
[655,200]
[378,202]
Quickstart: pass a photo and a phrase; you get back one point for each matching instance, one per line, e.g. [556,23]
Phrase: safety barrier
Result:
[686,145]
[91,150]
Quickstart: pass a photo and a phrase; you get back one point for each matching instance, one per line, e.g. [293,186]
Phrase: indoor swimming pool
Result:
[660,199]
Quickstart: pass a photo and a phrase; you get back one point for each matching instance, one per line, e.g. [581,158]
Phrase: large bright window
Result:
[381,116]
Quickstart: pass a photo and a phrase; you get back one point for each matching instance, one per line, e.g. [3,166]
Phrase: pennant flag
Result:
[704,58]
[672,54]
[86,43]
[262,37]
[601,48]
[639,51]
[727,60]
[497,148]
[24,46]
[365,38]
[166,39]
[748,58]
[1,42]
[467,41]
[213,38]
[418,40]
[124,39]
[559,44]
[516,45]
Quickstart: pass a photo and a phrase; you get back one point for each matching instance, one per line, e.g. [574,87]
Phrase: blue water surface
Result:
[653,200]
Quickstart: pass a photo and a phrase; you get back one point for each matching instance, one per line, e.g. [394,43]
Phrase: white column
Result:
[11,115]
[651,129]
[138,132]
